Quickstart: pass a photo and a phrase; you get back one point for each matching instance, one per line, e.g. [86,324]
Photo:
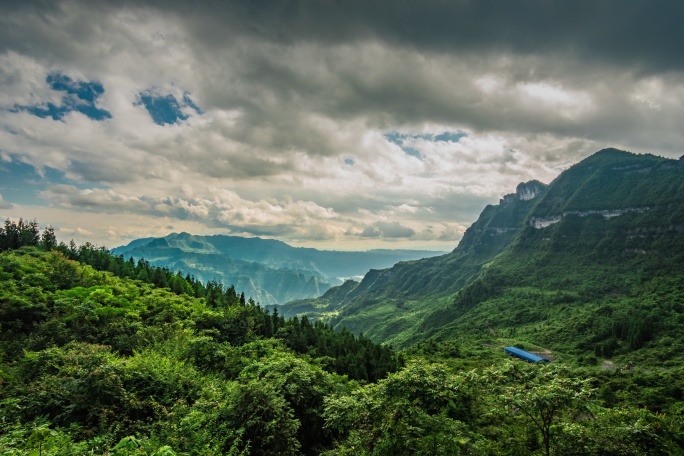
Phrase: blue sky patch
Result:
[187,101]
[20,182]
[447,136]
[404,140]
[78,96]
[86,91]
[395,137]
[166,109]
[450,136]
[411,151]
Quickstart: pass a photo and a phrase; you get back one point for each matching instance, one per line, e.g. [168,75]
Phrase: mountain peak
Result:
[526,191]
[611,151]
[181,235]
[609,154]
[614,209]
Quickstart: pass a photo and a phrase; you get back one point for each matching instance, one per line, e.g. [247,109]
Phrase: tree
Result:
[542,394]
[304,387]
[19,234]
[620,431]
[265,420]
[276,319]
[48,240]
[420,410]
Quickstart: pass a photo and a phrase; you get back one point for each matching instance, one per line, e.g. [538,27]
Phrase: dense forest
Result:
[103,355]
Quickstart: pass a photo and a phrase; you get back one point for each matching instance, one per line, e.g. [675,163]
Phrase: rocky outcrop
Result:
[508,198]
[526,191]
[543,222]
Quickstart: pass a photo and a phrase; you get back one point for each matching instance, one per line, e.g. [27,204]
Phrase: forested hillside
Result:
[103,356]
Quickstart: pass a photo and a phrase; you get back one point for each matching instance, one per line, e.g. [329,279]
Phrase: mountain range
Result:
[269,271]
[591,264]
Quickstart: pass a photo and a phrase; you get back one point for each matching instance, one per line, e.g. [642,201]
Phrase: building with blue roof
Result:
[525,355]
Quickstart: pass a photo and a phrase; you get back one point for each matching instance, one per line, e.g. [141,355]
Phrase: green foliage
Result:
[18,234]
[420,410]
[116,363]
[304,387]
[620,431]
[543,394]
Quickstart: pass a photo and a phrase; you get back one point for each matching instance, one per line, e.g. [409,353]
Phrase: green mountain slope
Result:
[389,303]
[270,271]
[593,265]
[597,269]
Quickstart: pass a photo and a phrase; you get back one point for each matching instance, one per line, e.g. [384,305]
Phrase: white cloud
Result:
[4,204]
[571,103]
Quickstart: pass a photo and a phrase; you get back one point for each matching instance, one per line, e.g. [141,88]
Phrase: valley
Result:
[269,271]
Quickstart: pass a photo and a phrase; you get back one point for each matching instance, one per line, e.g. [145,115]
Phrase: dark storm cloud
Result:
[646,34]
[577,43]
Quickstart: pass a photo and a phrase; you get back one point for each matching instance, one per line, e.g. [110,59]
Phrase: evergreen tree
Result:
[48,240]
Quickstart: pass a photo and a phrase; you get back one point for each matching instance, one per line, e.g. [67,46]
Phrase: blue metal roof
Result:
[522,354]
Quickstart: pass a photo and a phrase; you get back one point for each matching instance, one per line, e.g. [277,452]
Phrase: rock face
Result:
[539,223]
[526,191]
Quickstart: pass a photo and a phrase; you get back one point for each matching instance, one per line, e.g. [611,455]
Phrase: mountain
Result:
[592,264]
[270,271]
[387,303]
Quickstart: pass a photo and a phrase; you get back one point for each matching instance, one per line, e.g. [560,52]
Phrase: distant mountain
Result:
[270,271]
[593,264]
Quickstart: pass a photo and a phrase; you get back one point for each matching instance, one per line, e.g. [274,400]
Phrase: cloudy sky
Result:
[346,124]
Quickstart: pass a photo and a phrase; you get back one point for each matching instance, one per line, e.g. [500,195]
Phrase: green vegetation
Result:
[97,359]
[96,352]
[102,355]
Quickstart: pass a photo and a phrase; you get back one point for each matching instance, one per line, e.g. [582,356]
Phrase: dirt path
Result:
[607,364]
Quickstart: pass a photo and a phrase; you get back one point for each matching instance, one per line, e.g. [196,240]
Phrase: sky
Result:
[336,124]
